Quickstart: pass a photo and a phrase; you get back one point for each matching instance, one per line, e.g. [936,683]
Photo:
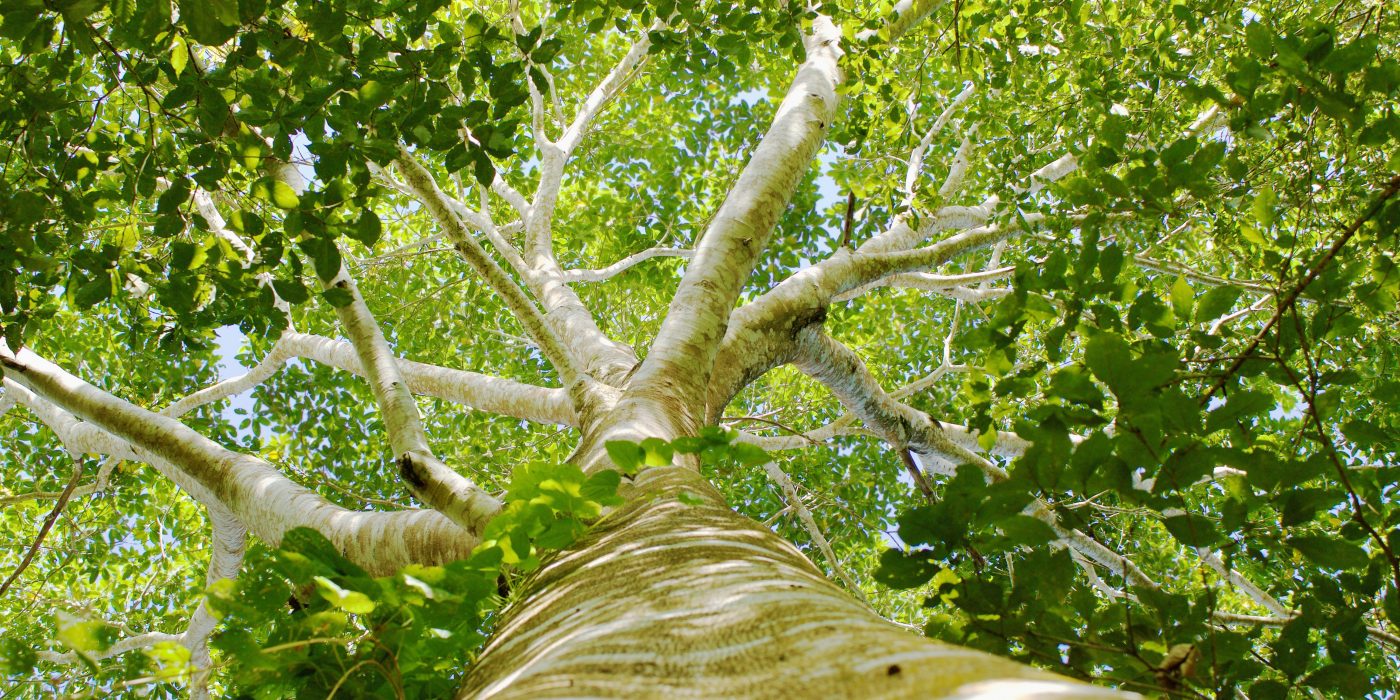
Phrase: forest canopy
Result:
[1064,331]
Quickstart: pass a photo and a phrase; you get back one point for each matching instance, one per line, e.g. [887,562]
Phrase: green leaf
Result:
[1192,530]
[657,452]
[293,291]
[374,93]
[17,657]
[325,257]
[1110,262]
[85,635]
[1183,297]
[276,192]
[179,55]
[627,456]
[749,454]
[1268,690]
[1330,552]
[1259,39]
[337,297]
[93,292]
[1263,207]
[1216,302]
[367,228]
[210,22]
[1367,434]
[1110,359]
[560,534]
[1346,679]
[349,601]
[1353,56]
[900,571]
[482,168]
[602,487]
[1027,531]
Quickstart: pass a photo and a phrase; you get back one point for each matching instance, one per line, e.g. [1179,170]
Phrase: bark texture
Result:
[676,595]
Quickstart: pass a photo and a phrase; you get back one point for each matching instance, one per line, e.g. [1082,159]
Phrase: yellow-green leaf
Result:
[179,55]
[347,600]
[283,195]
[1183,297]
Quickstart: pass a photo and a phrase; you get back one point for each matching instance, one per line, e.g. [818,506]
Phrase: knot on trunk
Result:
[412,471]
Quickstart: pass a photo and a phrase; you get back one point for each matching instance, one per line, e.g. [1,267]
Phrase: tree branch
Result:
[421,182]
[252,489]
[679,364]
[606,90]
[1292,297]
[44,528]
[604,273]
[839,369]
[479,391]
[903,16]
[431,481]
[810,525]
[916,155]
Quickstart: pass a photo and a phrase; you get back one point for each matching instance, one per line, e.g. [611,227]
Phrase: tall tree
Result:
[1062,332]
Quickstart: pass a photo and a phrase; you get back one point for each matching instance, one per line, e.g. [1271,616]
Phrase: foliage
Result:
[407,635]
[1198,338]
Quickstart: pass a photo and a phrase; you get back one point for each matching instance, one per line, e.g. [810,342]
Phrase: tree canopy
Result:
[1073,339]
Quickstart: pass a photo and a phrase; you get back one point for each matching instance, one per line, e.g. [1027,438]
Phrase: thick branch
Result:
[679,365]
[252,489]
[839,369]
[483,392]
[431,481]
[421,182]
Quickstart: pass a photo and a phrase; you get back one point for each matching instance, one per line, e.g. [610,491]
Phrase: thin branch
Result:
[49,520]
[916,155]
[606,90]
[121,646]
[605,273]
[1292,297]
[804,516]
[957,170]
[904,16]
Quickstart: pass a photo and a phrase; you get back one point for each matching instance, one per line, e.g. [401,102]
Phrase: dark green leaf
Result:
[1329,552]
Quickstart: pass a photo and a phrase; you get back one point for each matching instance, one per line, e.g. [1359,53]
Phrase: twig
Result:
[1308,279]
[48,524]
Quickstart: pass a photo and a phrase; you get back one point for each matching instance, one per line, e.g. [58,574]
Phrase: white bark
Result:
[435,201]
[916,155]
[479,391]
[431,481]
[678,367]
[672,599]
[804,516]
[227,536]
[903,17]
[842,371]
[259,495]
[613,270]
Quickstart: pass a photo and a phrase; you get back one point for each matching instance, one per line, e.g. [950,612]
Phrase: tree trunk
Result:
[676,595]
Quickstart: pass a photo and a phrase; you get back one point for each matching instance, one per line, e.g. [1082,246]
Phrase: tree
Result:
[625,288]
